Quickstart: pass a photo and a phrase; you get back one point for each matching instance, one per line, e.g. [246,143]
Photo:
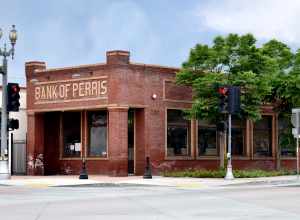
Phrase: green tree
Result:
[236,60]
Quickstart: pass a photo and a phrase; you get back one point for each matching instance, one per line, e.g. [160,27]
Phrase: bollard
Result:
[83,172]
[147,174]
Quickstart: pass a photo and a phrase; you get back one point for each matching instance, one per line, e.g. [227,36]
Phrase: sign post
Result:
[297,152]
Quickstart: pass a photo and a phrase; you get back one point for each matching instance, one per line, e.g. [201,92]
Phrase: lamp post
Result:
[4,161]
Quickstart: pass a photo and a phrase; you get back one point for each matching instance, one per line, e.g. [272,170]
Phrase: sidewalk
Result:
[97,180]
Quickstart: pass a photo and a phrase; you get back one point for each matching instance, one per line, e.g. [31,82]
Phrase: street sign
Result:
[296,132]
[295,119]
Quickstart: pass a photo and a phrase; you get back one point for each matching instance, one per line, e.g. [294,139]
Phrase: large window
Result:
[207,139]
[178,134]
[97,128]
[286,140]
[262,137]
[71,132]
[238,137]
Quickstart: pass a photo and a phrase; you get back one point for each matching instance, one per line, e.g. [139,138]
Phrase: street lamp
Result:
[4,162]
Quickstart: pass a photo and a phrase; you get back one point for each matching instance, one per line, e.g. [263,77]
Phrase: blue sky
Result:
[66,33]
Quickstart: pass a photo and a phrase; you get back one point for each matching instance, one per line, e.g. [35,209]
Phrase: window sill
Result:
[179,158]
[263,158]
[96,158]
[240,158]
[208,158]
[70,158]
[288,158]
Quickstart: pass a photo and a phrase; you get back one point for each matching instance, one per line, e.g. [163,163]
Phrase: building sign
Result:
[71,90]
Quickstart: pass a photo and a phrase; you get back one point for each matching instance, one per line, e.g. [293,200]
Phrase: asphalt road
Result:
[147,202]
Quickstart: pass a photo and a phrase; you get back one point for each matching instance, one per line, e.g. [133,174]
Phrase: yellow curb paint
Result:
[37,185]
[189,185]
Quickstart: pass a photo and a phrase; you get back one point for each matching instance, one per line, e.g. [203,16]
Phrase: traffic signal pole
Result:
[229,95]
[229,174]
[4,162]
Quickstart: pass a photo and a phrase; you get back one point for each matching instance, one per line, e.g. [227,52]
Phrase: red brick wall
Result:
[130,85]
[51,151]
[177,92]
[118,140]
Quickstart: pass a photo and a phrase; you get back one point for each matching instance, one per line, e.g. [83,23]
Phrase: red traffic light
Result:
[223,91]
[15,88]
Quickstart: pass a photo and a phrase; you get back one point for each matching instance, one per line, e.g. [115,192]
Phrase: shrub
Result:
[220,173]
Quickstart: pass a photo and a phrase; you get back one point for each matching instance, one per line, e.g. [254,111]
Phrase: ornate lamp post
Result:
[4,162]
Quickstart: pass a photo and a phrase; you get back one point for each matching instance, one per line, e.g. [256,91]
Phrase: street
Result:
[149,202]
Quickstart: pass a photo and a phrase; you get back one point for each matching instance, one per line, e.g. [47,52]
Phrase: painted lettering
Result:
[75,89]
[43,96]
[81,89]
[87,88]
[54,92]
[103,87]
[37,93]
[92,88]
[67,89]
[61,91]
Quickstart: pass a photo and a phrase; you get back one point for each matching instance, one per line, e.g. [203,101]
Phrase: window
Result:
[71,127]
[207,139]
[178,134]
[97,129]
[238,132]
[286,140]
[262,137]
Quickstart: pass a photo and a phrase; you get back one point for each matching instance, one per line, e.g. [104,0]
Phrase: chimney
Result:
[117,57]
[31,66]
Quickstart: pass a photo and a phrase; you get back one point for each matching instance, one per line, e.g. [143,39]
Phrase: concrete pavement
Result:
[149,202]
[60,181]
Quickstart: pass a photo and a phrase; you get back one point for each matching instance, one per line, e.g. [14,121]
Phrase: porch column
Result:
[118,140]
[35,144]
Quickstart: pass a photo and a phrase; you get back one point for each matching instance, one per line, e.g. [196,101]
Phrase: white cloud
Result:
[264,18]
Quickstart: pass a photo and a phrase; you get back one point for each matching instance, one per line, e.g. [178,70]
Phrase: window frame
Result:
[283,157]
[207,157]
[86,131]
[191,138]
[245,143]
[61,137]
[273,138]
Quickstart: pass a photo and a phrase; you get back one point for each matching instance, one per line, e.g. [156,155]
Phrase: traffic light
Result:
[223,99]
[13,97]
[234,100]
[13,124]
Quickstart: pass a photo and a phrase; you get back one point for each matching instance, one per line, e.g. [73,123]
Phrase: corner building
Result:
[115,114]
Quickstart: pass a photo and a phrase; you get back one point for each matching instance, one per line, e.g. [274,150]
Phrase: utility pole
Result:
[4,161]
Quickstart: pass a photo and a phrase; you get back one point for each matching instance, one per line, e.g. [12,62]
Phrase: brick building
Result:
[117,113]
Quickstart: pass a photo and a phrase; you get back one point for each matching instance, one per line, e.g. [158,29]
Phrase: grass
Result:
[222,172]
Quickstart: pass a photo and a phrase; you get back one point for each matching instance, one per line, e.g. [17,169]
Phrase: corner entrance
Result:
[131,141]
